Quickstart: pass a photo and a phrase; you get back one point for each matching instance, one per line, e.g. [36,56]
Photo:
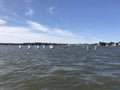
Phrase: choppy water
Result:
[73,68]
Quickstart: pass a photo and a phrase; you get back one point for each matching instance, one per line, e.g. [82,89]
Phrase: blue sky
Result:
[60,21]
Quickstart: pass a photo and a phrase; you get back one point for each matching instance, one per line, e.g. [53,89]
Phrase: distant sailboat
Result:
[95,47]
[19,46]
[87,48]
[37,46]
[51,46]
[28,47]
[106,44]
[43,46]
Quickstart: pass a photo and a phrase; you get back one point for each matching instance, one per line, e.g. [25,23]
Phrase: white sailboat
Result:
[37,46]
[95,47]
[43,46]
[19,46]
[51,46]
[28,47]
[87,48]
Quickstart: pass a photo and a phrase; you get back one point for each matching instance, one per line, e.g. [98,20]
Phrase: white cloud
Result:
[51,10]
[56,31]
[30,12]
[38,26]
[12,34]
[2,22]
[13,30]
[24,34]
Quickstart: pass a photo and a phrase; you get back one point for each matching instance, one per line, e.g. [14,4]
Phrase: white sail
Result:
[37,46]
[28,47]
[51,46]
[19,46]
[43,46]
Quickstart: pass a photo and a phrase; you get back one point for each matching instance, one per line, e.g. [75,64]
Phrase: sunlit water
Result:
[73,68]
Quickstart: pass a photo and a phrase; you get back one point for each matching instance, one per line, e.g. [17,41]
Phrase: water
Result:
[73,68]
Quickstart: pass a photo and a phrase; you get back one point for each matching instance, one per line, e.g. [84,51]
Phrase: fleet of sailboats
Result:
[52,46]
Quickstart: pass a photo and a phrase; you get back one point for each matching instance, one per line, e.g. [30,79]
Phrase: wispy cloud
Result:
[29,12]
[13,19]
[51,9]
[2,22]
[38,26]
[8,14]
[24,34]
[53,31]
[63,35]
[2,6]
[17,17]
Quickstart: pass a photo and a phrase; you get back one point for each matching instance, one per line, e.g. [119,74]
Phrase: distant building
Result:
[102,43]
[109,44]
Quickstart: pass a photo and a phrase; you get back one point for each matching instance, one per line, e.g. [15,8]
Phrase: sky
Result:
[59,21]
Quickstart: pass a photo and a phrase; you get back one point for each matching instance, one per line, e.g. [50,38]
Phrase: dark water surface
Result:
[73,68]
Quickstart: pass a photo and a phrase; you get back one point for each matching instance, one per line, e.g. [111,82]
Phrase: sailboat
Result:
[19,46]
[28,47]
[51,46]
